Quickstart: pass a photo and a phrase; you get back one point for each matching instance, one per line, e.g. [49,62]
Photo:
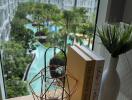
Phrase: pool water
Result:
[52,28]
[38,62]
[37,65]
[29,26]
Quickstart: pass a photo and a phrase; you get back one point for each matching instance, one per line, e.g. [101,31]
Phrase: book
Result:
[87,68]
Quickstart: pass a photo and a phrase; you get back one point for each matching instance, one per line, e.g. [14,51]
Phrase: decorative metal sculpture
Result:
[54,86]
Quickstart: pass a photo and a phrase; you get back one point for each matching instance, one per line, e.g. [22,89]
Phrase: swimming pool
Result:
[38,62]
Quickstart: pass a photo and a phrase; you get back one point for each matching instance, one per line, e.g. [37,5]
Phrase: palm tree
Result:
[67,21]
[38,14]
[54,38]
[30,7]
[78,19]
[49,12]
[72,20]
[90,29]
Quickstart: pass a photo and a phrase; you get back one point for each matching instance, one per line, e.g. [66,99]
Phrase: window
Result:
[18,51]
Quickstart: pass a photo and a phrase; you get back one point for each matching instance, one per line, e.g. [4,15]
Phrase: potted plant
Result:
[117,40]
[57,64]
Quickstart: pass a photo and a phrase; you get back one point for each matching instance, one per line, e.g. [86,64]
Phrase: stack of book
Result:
[87,68]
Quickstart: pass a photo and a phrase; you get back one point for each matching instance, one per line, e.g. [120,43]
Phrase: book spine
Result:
[88,81]
[97,80]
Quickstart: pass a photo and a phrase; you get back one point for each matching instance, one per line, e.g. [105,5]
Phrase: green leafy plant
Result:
[16,88]
[116,38]
[15,61]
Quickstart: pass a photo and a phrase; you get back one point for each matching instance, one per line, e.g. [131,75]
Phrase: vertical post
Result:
[2,86]
[48,1]
[0,95]
[95,26]
[75,3]
[9,11]
[62,4]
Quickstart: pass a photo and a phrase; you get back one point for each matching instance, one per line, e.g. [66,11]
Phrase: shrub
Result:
[16,88]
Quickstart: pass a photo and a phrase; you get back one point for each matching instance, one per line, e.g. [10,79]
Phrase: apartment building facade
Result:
[7,11]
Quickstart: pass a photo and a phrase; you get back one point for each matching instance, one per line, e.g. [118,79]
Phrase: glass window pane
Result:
[35,26]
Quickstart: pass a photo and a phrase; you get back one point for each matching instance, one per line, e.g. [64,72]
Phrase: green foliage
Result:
[72,21]
[50,12]
[20,33]
[14,63]
[68,17]
[69,20]
[47,44]
[15,59]
[61,56]
[79,18]
[21,14]
[117,39]
[45,30]
[54,38]
[86,29]
[16,88]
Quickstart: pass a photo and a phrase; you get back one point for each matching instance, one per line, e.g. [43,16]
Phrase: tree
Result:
[16,88]
[20,33]
[78,17]
[87,29]
[37,14]
[50,13]
[15,62]
[15,59]
[68,17]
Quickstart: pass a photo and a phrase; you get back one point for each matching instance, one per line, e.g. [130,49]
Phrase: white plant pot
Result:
[110,83]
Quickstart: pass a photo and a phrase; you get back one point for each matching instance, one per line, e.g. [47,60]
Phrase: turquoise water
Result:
[37,65]
[38,62]
[34,29]
[29,26]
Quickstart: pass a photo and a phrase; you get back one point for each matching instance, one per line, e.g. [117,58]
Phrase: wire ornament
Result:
[54,87]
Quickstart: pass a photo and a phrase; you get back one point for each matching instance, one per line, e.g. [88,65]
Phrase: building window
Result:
[14,60]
